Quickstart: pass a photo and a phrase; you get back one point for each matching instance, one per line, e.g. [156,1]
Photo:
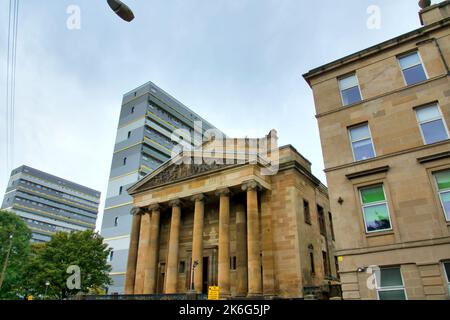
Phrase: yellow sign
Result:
[213,293]
[340,258]
[30,297]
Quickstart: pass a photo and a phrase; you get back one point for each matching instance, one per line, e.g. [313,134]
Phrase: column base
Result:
[191,295]
[255,296]
[224,296]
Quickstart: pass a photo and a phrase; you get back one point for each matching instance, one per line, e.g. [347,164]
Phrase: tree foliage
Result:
[19,248]
[49,264]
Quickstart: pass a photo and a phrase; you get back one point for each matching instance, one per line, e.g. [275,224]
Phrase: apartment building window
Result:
[111,255]
[326,266]
[120,190]
[412,68]
[447,274]
[375,209]
[330,216]
[306,212]
[129,134]
[431,124]
[321,219]
[350,91]
[125,161]
[443,185]
[132,109]
[390,284]
[361,141]
[116,221]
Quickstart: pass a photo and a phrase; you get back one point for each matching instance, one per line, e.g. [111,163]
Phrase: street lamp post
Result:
[194,265]
[5,264]
[47,283]
[121,9]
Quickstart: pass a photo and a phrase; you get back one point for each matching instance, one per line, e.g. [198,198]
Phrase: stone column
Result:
[133,251]
[241,251]
[197,241]
[151,267]
[142,258]
[224,243]
[253,243]
[172,256]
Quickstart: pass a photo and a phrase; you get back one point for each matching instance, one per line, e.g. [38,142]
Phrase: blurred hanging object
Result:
[424,3]
[121,9]
[13,26]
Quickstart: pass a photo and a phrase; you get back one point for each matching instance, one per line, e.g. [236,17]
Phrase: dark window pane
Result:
[351,96]
[445,197]
[390,277]
[392,295]
[363,150]
[306,212]
[434,131]
[311,260]
[414,75]
[321,218]
[447,270]
[377,218]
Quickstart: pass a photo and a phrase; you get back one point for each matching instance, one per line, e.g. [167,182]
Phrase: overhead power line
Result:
[11,61]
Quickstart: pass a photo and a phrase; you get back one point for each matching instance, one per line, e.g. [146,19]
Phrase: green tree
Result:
[49,264]
[14,252]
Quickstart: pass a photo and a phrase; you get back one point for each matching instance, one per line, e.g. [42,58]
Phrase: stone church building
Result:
[254,221]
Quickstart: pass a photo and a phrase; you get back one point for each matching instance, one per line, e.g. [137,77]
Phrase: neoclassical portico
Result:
[227,224]
[144,243]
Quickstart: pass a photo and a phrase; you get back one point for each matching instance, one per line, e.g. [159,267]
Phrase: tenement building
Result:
[50,204]
[254,223]
[149,121]
[383,116]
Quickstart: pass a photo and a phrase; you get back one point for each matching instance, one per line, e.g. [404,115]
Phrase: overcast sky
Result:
[237,63]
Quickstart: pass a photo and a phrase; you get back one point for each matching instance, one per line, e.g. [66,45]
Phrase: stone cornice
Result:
[434,157]
[399,246]
[364,173]
[409,36]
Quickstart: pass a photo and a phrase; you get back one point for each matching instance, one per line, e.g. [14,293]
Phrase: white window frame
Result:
[394,288]
[434,119]
[374,204]
[439,194]
[421,62]
[357,85]
[351,141]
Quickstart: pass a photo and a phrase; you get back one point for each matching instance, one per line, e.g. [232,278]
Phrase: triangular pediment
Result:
[174,172]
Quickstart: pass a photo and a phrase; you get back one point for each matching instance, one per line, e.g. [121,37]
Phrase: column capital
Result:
[223,192]
[154,207]
[251,185]
[175,203]
[199,197]
[135,211]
